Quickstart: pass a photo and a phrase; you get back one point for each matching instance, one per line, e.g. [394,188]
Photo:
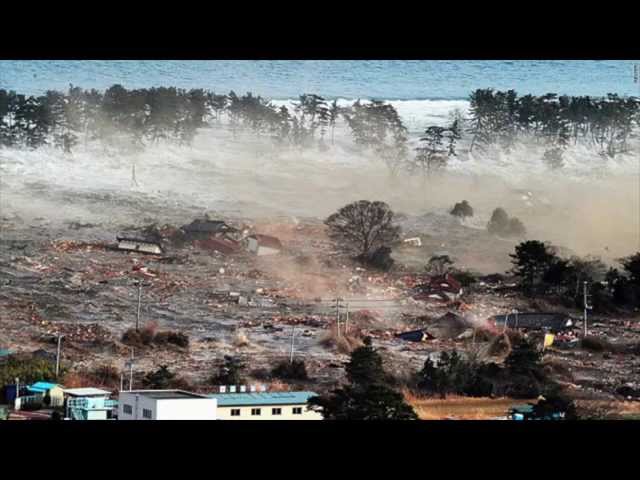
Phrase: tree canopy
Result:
[363,227]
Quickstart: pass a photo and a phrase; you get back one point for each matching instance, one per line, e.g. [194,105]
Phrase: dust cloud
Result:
[589,207]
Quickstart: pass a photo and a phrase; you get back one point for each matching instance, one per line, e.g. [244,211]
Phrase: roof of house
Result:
[137,240]
[415,335]
[219,244]
[262,398]
[525,408]
[4,352]
[439,284]
[42,386]
[207,226]
[267,241]
[86,392]
[165,394]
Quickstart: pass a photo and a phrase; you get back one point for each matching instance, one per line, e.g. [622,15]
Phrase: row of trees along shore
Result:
[141,117]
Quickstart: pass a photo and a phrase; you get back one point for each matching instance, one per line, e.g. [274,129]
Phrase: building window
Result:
[276,411]
[297,410]
[235,412]
[128,409]
[146,413]
[255,411]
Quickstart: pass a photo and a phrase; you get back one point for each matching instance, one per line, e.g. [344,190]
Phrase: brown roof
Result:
[267,241]
[221,245]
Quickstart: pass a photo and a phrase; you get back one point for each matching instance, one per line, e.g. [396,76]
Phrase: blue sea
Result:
[348,79]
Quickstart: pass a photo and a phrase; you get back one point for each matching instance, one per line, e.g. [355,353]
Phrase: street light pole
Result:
[58,356]
[131,371]
[139,302]
[346,323]
[293,332]
[586,307]
[338,315]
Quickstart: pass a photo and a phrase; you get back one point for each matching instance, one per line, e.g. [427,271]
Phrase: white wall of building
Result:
[166,409]
[266,413]
[187,409]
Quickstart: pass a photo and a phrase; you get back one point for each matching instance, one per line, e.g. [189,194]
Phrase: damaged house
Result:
[263,244]
[205,229]
[222,245]
[139,245]
[449,326]
[442,287]
[551,322]
[415,336]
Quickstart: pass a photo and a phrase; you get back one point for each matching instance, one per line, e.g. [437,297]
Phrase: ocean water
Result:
[347,79]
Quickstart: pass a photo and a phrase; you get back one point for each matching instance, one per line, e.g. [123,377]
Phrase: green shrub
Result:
[286,370]
[28,369]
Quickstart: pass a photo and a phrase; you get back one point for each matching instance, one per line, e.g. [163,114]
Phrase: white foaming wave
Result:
[417,115]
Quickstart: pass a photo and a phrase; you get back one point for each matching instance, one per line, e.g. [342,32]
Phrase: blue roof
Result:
[262,398]
[527,408]
[4,352]
[41,386]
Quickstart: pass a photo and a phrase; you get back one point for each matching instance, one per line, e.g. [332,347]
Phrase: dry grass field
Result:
[460,408]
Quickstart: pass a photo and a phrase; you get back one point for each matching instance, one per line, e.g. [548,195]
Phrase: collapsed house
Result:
[139,245]
[205,229]
[552,322]
[222,245]
[448,326]
[263,244]
[442,287]
[415,336]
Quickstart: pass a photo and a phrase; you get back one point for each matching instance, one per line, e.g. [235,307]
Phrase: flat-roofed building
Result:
[89,404]
[165,405]
[265,406]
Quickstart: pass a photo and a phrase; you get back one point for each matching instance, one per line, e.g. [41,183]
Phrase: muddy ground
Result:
[66,278]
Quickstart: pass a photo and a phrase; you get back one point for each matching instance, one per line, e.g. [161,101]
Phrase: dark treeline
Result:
[65,119]
[501,118]
[141,117]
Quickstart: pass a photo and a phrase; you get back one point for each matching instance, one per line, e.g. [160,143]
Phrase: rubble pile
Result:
[81,333]
[75,246]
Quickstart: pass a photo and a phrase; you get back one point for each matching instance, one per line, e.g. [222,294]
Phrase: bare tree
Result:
[439,264]
[362,227]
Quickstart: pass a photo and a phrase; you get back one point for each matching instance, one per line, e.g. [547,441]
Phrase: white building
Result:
[165,405]
[265,406]
[89,404]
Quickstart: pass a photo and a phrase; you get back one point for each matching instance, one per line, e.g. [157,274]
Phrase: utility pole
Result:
[586,307]
[121,381]
[293,333]
[58,356]
[346,323]
[131,371]
[338,315]
[139,302]
[134,182]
